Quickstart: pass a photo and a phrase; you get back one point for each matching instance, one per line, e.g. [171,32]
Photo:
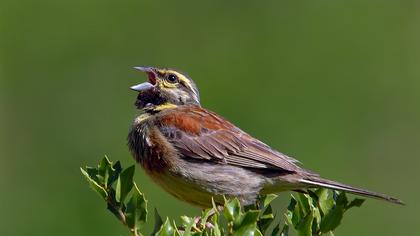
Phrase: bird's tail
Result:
[325,183]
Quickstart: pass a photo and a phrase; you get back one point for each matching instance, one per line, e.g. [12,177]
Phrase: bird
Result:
[198,156]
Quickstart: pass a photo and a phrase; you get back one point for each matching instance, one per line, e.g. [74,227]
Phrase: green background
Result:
[335,84]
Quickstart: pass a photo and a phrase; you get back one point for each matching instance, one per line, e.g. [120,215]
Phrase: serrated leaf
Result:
[249,218]
[313,195]
[290,210]
[297,214]
[232,209]
[215,231]
[325,200]
[94,185]
[247,230]
[177,232]
[304,227]
[342,199]
[357,202]
[124,184]
[266,218]
[205,215]
[158,222]
[166,229]
[115,171]
[331,220]
[105,171]
[188,223]
[246,224]
[267,199]
[93,173]
[136,212]
[257,233]
[304,204]
[316,211]
[213,203]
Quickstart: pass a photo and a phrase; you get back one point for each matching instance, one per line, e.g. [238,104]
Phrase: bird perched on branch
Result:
[197,155]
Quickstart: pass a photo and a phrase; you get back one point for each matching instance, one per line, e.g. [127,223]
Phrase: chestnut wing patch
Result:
[200,134]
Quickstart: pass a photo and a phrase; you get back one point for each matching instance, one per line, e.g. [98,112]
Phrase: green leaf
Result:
[94,185]
[103,164]
[93,173]
[205,215]
[103,170]
[266,219]
[332,219]
[215,231]
[114,172]
[232,209]
[325,200]
[158,222]
[342,199]
[249,218]
[313,195]
[304,227]
[266,216]
[124,184]
[297,214]
[357,202]
[316,211]
[136,212]
[188,223]
[267,199]
[177,232]
[166,229]
[284,231]
[304,204]
[247,230]
[290,210]
[246,224]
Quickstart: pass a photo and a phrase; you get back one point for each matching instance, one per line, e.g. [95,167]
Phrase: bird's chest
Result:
[150,148]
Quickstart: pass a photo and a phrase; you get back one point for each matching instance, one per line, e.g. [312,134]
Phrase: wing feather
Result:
[200,134]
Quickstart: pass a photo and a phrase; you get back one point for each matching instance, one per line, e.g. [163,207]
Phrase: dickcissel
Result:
[197,155]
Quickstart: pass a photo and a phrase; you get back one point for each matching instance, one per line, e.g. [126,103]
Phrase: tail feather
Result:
[325,183]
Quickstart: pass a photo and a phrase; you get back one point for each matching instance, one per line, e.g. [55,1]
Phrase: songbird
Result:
[196,155]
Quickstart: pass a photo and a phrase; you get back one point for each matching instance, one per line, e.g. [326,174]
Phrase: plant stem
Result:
[114,208]
[133,231]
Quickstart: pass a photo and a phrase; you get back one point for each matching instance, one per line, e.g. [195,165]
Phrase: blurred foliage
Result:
[313,213]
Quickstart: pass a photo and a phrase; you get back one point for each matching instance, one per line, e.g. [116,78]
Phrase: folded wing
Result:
[203,135]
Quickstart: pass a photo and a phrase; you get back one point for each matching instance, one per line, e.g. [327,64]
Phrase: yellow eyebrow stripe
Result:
[182,78]
[141,118]
[164,106]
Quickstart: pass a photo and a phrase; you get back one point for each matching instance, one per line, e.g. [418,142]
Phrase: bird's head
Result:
[165,88]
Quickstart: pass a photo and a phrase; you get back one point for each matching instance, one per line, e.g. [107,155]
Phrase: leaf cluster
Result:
[316,212]
[115,185]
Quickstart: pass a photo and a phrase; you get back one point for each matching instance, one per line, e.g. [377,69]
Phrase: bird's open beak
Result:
[152,76]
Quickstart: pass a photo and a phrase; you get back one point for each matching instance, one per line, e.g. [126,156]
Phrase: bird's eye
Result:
[172,78]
